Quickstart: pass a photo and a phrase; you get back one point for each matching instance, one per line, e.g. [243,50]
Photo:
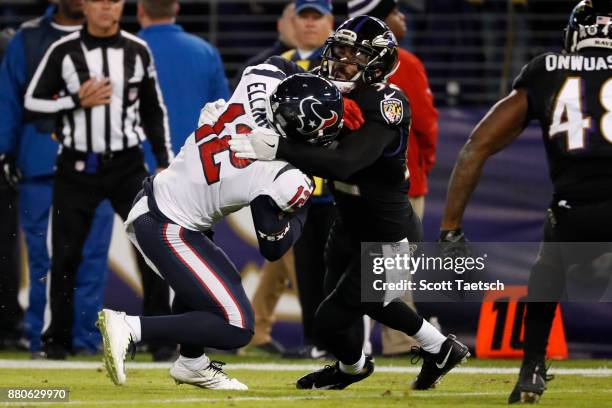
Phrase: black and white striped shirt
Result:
[136,109]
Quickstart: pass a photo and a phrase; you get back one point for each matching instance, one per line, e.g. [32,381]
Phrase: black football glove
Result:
[453,244]
[9,173]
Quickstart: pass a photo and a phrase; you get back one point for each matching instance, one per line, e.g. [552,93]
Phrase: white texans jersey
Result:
[206,181]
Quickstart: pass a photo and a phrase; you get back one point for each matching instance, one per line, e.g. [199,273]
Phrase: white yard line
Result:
[332,395]
[92,365]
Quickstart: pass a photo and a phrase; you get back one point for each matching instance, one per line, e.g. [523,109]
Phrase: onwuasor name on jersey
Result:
[578,63]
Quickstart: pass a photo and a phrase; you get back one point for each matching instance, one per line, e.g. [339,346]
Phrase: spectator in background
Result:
[100,84]
[189,69]
[10,311]
[313,22]
[34,151]
[411,78]
[413,11]
[285,41]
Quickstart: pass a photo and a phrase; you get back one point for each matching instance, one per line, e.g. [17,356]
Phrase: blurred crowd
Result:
[467,46]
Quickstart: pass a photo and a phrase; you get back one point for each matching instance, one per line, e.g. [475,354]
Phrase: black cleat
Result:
[272,347]
[307,351]
[531,383]
[332,378]
[435,366]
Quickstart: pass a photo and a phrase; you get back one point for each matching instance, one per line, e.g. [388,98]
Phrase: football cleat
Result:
[332,378]
[435,366]
[531,383]
[307,352]
[211,377]
[117,341]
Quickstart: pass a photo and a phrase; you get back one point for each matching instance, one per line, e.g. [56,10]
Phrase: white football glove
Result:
[260,144]
[211,112]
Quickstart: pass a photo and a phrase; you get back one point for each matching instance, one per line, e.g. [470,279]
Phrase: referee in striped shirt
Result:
[100,85]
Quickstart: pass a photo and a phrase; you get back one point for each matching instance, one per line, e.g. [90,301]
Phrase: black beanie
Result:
[375,8]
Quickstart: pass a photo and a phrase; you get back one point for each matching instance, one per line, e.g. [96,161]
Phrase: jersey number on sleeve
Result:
[217,145]
[568,116]
[299,199]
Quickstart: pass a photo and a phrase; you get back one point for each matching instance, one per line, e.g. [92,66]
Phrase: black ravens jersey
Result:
[381,208]
[571,96]
[367,167]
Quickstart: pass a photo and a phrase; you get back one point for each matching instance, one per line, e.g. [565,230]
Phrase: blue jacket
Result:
[30,143]
[190,74]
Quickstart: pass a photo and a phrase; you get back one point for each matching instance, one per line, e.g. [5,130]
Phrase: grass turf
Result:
[153,387]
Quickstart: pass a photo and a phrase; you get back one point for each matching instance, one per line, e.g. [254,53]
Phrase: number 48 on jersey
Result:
[569,114]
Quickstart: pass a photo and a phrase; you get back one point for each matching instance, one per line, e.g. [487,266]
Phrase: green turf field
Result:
[579,383]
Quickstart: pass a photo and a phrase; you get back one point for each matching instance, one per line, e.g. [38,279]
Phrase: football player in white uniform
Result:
[171,220]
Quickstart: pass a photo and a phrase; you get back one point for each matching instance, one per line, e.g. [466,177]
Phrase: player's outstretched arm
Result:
[356,151]
[500,126]
[276,230]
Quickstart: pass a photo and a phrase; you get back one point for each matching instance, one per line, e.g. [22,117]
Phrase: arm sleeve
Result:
[276,230]
[153,113]
[12,84]
[424,113]
[43,94]
[356,151]
[219,88]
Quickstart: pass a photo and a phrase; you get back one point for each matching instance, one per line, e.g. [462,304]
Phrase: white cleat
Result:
[212,377]
[116,337]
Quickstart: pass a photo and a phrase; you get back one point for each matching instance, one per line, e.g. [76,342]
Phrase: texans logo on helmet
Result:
[312,121]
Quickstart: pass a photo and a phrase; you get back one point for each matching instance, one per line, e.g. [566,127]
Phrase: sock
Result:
[134,323]
[429,338]
[194,364]
[353,368]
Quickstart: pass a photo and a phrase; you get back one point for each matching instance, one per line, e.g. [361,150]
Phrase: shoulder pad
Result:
[530,71]
[288,67]
[383,102]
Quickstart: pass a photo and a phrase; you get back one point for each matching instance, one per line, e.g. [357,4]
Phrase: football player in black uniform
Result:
[370,184]
[570,94]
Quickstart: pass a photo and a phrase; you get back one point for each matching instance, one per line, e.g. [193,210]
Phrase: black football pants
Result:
[338,320]
[10,311]
[210,307]
[569,222]
[76,195]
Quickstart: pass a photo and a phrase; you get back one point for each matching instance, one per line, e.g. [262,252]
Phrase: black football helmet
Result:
[363,41]
[590,25]
[307,108]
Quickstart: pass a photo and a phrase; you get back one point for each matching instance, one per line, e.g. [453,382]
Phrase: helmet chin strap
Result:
[346,86]
[271,122]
